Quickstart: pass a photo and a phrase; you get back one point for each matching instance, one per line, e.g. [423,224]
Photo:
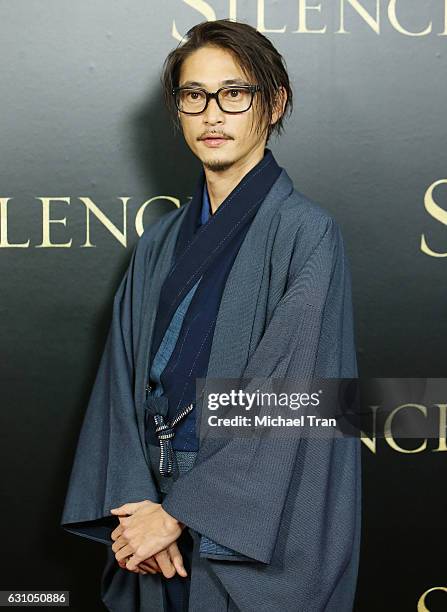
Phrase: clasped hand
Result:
[147,534]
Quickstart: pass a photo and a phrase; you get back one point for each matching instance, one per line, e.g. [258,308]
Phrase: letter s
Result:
[435,211]
[202,7]
[421,603]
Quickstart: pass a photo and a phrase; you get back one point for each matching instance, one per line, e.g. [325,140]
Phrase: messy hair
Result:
[254,53]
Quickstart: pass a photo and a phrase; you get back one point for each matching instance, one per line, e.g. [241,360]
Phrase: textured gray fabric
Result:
[292,506]
[185,460]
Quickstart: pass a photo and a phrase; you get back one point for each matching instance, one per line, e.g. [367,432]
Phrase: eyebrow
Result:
[225,82]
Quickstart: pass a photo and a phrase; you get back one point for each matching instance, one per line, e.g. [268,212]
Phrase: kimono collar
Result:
[199,247]
[205,214]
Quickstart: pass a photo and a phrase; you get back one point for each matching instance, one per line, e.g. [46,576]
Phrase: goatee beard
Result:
[217,165]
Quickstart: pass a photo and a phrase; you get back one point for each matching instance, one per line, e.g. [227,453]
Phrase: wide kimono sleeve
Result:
[235,494]
[109,467]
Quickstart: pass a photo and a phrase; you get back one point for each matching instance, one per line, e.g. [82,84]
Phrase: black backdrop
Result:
[82,122]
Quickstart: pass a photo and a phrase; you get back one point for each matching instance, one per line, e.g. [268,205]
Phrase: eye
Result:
[191,95]
[236,94]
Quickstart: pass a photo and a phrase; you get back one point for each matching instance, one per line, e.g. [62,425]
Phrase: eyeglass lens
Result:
[233,99]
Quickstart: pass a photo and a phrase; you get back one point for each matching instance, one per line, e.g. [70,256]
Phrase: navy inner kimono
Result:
[177,342]
[190,297]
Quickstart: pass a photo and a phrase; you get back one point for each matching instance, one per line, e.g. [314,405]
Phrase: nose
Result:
[212,114]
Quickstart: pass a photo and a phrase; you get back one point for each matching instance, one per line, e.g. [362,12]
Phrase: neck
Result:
[221,184]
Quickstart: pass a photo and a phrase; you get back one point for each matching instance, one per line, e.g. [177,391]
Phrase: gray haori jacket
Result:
[291,506]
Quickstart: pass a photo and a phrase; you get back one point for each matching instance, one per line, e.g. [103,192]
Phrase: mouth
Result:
[214,142]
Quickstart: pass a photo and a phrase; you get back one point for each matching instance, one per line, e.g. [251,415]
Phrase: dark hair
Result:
[254,53]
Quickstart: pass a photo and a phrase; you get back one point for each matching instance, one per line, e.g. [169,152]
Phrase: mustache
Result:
[215,135]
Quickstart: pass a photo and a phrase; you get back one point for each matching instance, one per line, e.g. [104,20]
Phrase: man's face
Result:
[210,66]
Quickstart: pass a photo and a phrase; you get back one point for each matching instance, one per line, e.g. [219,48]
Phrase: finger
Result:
[152,563]
[164,561]
[122,565]
[117,532]
[129,508]
[134,562]
[149,570]
[124,521]
[124,552]
[177,559]
[119,544]
[139,553]
[145,565]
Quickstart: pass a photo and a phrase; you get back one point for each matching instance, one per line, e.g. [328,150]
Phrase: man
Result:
[250,279]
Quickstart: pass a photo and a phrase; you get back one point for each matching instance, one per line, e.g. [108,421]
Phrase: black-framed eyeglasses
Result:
[230,99]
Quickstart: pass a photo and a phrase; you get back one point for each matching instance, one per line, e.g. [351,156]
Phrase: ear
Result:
[280,103]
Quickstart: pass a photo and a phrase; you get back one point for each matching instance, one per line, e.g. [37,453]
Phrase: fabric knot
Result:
[158,408]
[157,405]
